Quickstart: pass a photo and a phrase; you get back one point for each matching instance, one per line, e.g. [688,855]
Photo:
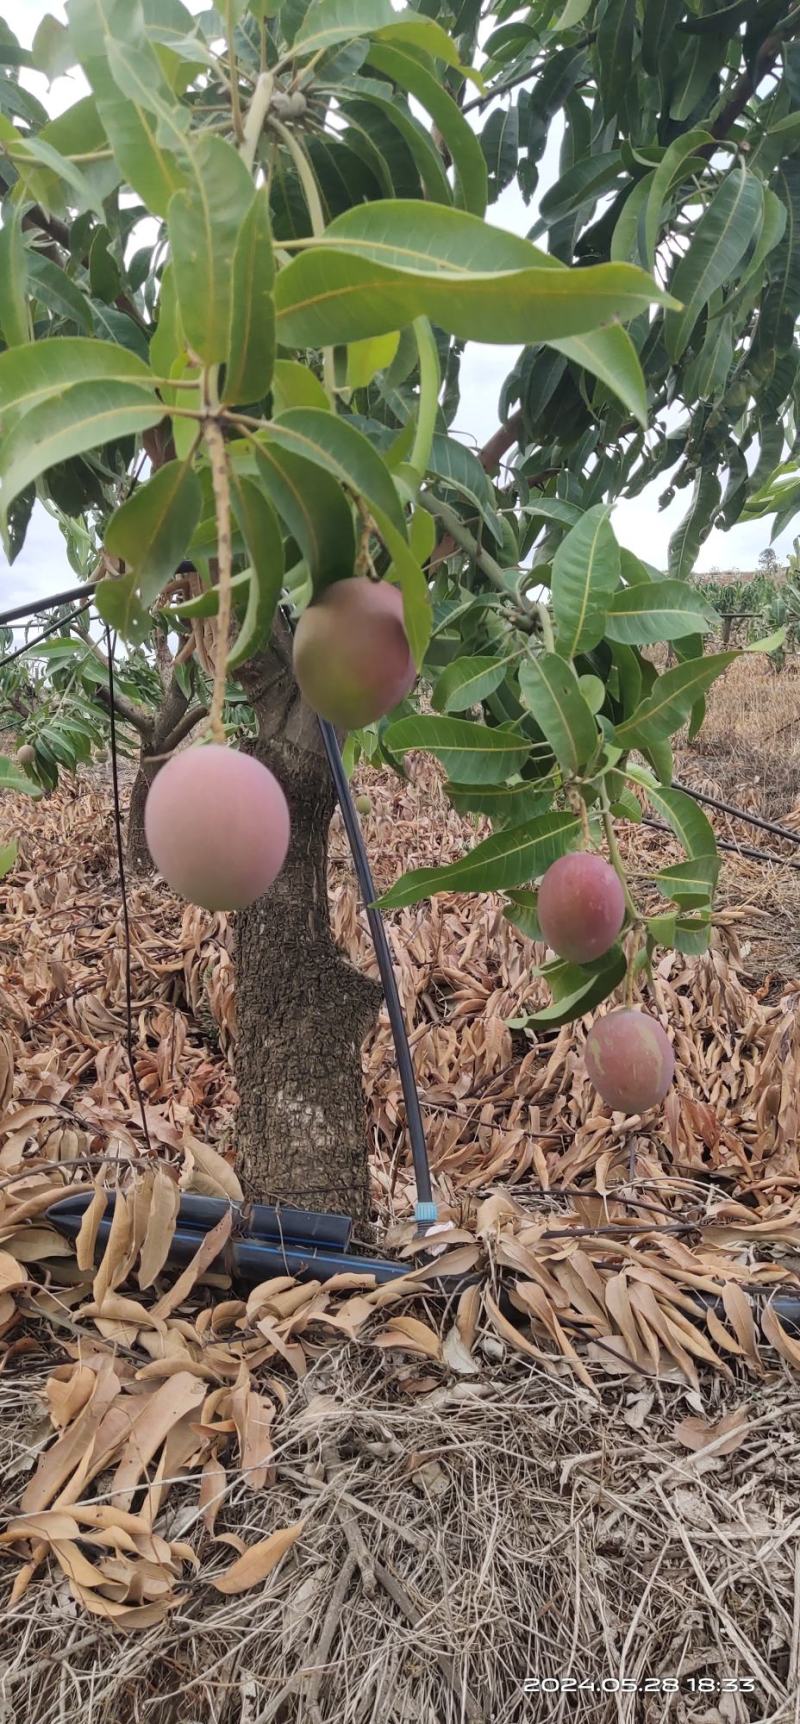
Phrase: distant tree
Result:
[768,562]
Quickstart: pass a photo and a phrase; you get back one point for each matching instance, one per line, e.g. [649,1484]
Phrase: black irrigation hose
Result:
[111,643]
[32,610]
[739,813]
[425,1206]
[736,849]
[29,645]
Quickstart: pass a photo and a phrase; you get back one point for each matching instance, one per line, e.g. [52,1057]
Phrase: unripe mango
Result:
[581,906]
[217,826]
[352,660]
[629,1059]
[26,755]
[363,805]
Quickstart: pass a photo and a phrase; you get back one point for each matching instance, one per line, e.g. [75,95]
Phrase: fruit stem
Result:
[236,106]
[308,181]
[222,503]
[617,862]
[545,623]
[256,115]
[430,380]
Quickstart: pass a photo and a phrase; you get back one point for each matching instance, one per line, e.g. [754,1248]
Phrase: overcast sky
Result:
[42,566]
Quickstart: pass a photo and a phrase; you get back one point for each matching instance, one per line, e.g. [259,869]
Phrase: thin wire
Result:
[110,649]
[29,645]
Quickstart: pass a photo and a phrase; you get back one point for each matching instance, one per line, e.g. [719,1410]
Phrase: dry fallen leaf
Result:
[258,1561]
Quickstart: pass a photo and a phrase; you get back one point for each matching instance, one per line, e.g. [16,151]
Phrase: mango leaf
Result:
[470,753]
[689,884]
[654,611]
[549,687]
[417,614]
[31,373]
[364,360]
[380,265]
[151,530]
[251,352]
[509,858]
[8,856]
[295,385]
[330,21]
[152,170]
[609,354]
[467,681]
[81,418]
[262,535]
[522,912]
[673,695]
[14,315]
[418,76]
[586,571]
[315,510]
[117,601]
[13,778]
[205,221]
[331,443]
[719,242]
[206,603]
[675,163]
[691,826]
[51,286]
[510,802]
[696,525]
[578,988]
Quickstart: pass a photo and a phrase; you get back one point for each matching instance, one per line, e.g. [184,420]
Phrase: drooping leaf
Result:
[697,523]
[654,611]
[261,532]
[151,530]
[81,418]
[14,315]
[29,374]
[671,700]
[470,753]
[414,73]
[315,510]
[550,690]
[251,353]
[330,21]
[331,443]
[467,681]
[205,223]
[586,571]
[718,244]
[578,988]
[13,778]
[509,858]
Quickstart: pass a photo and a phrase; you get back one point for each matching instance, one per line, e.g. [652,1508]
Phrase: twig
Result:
[447,1665]
[327,1635]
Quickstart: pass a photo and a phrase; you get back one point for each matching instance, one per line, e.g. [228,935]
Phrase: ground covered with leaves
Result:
[344,1503]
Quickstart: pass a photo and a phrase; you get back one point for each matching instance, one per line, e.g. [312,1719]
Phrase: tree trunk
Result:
[302,1010]
[137,855]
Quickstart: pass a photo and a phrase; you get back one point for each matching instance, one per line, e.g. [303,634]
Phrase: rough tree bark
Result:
[303,1011]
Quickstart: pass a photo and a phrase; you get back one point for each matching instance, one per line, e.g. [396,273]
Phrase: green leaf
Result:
[11,778]
[509,858]
[81,418]
[577,989]
[500,145]
[654,611]
[470,753]
[151,170]
[31,374]
[689,884]
[696,525]
[54,288]
[510,802]
[382,264]
[151,530]
[15,324]
[586,571]
[467,681]
[691,826]
[374,93]
[8,856]
[676,162]
[364,360]
[719,242]
[251,354]
[331,443]
[673,695]
[522,912]
[295,385]
[261,533]
[615,52]
[205,221]
[206,603]
[117,601]
[315,510]
[419,77]
[549,688]
[417,613]
[330,21]
[573,13]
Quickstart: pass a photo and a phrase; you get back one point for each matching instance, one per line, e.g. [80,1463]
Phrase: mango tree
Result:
[236,279]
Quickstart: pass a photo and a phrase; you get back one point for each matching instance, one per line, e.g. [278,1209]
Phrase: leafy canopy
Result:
[253,254]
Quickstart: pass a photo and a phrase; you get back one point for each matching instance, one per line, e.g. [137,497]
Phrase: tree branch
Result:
[135,715]
[191,717]
[746,87]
